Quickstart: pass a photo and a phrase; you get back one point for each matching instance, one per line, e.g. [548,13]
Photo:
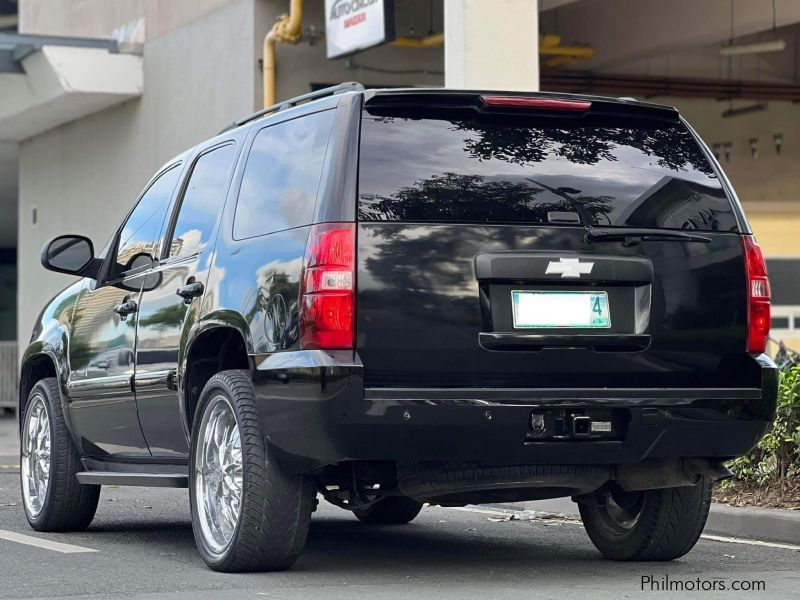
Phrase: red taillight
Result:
[540,103]
[758,296]
[327,287]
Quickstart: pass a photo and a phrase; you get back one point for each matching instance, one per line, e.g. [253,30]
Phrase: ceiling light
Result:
[756,48]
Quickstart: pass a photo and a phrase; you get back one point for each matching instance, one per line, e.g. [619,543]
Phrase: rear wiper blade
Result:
[634,235]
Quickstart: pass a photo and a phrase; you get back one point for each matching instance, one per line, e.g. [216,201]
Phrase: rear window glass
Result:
[282,174]
[560,171]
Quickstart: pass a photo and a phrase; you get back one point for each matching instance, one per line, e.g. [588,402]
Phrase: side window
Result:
[140,234]
[204,196]
[282,174]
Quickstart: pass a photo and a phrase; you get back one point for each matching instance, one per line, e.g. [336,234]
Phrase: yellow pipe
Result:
[557,61]
[432,41]
[286,30]
[549,40]
[574,51]
[549,45]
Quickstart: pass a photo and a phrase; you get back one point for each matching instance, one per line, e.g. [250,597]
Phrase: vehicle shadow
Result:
[342,544]
[441,546]
[161,534]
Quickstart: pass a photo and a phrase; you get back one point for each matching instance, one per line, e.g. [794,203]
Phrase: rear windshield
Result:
[589,171]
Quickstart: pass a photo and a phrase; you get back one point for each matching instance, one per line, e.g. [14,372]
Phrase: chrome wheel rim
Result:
[218,474]
[35,460]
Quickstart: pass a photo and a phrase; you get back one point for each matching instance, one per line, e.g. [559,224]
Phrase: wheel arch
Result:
[218,346]
[36,365]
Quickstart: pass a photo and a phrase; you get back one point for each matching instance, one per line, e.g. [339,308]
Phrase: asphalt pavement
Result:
[140,545]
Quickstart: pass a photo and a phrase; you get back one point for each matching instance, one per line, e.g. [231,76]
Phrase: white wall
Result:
[492,45]
[97,18]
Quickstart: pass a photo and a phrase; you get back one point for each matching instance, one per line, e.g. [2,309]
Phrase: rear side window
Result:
[204,196]
[589,171]
[282,175]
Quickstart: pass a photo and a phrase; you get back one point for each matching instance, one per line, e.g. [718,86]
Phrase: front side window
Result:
[282,174]
[139,237]
[202,200]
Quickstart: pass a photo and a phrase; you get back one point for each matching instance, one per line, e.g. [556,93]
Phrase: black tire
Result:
[666,523]
[276,506]
[394,510]
[68,505]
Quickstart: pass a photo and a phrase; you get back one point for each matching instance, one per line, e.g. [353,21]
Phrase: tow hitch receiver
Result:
[564,424]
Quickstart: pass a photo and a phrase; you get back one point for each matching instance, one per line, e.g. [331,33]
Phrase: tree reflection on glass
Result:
[605,171]
[672,148]
[450,196]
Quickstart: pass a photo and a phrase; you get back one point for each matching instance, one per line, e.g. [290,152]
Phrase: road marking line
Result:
[731,540]
[706,536]
[42,543]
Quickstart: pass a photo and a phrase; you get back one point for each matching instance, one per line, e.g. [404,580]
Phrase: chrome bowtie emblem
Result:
[569,268]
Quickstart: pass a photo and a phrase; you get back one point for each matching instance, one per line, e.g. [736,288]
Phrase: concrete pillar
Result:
[491,44]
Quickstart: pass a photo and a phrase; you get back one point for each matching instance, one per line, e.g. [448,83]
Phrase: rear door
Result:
[476,268]
[173,295]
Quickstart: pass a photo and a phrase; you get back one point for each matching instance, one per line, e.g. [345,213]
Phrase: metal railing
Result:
[8,375]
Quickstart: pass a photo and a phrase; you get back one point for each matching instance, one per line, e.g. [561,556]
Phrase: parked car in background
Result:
[399,297]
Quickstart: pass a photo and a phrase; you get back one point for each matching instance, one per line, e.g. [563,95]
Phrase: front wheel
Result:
[248,512]
[53,498]
[651,525]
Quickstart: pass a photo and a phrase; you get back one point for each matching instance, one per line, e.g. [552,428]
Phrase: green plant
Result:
[777,455]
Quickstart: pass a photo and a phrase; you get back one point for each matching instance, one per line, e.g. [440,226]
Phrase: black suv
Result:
[397,297]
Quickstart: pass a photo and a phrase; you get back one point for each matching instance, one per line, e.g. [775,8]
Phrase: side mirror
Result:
[71,254]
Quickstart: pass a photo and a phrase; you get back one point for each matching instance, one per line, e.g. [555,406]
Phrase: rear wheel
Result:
[654,525]
[394,510]
[53,498]
[248,512]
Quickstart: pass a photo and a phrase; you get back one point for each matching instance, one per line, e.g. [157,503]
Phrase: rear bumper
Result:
[317,412]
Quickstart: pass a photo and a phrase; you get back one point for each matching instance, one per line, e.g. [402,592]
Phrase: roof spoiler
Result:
[517,103]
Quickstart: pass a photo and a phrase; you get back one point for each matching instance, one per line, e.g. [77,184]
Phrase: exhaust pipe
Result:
[653,474]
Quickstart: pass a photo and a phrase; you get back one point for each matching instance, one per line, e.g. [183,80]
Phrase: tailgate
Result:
[475,268]
[435,308]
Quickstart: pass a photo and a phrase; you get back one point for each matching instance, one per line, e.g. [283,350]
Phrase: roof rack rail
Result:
[349,86]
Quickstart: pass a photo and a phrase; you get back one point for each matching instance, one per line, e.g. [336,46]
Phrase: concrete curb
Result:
[765,524]
[768,524]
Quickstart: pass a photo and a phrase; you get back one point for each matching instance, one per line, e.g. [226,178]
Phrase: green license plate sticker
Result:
[573,310]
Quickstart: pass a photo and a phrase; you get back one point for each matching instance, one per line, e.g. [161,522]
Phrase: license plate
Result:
[576,310]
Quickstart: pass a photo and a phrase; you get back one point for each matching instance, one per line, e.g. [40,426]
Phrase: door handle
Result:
[126,308]
[190,291]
